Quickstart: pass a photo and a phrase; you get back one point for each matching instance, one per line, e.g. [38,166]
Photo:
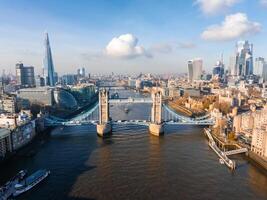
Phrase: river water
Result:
[132,164]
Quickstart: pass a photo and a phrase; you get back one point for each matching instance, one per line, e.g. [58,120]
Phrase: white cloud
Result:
[263,3]
[211,7]
[233,26]
[125,46]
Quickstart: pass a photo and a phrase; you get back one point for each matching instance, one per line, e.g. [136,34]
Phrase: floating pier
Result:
[223,156]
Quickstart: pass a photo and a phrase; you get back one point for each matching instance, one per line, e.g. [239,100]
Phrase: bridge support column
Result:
[103,128]
[156,127]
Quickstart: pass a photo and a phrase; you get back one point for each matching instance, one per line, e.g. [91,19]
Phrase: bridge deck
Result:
[87,117]
[130,100]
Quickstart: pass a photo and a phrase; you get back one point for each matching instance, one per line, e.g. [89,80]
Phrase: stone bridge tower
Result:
[156,125]
[104,126]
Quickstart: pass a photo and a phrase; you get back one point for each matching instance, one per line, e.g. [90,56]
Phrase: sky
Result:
[130,36]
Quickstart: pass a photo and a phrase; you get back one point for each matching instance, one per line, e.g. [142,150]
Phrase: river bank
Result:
[258,160]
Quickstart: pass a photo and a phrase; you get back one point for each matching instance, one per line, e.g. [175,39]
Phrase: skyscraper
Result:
[194,69]
[260,68]
[197,68]
[232,66]
[48,68]
[190,70]
[242,63]
[81,72]
[218,69]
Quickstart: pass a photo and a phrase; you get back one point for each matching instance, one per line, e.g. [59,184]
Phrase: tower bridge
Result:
[99,115]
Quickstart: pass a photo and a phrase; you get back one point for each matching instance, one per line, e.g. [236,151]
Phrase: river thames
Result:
[132,164]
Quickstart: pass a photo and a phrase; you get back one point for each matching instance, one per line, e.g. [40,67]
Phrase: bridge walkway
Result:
[236,151]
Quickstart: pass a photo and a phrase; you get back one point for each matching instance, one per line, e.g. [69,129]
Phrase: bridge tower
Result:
[156,125]
[104,126]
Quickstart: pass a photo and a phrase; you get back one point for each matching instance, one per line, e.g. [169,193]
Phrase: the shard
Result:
[48,68]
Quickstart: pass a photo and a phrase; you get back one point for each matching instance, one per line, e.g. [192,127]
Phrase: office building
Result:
[81,72]
[190,71]
[69,79]
[48,67]
[25,75]
[242,63]
[132,83]
[218,70]
[39,81]
[260,68]
[194,69]
[41,95]
[5,142]
[259,141]
[232,66]
[8,104]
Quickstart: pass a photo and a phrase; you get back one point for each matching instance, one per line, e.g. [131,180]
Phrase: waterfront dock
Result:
[228,162]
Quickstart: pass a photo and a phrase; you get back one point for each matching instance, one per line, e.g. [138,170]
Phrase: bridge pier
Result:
[103,128]
[156,127]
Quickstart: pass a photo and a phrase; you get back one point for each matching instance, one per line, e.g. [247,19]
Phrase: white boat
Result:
[30,181]
[7,190]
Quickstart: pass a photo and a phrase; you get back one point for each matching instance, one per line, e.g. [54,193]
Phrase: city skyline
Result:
[133,99]
[125,37]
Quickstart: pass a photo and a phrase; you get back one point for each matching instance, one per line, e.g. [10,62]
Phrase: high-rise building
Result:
[48,67]
[39,81]
[69,79]
[25,75]
[218,69]
[242,63]
[194,69]
[260,68]
[232,66]
[190,70]
[81,72]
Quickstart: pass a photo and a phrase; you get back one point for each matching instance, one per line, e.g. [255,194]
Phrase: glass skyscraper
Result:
[194,69]
[48,68]
[260,68]
[242,63]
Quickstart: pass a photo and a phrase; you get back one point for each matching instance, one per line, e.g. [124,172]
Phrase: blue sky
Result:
[128,36]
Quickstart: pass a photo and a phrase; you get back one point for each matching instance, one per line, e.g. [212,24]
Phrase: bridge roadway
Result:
[125,122]
[112,87]
[130,100]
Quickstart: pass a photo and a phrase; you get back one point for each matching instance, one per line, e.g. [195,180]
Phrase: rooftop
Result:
[4,133]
